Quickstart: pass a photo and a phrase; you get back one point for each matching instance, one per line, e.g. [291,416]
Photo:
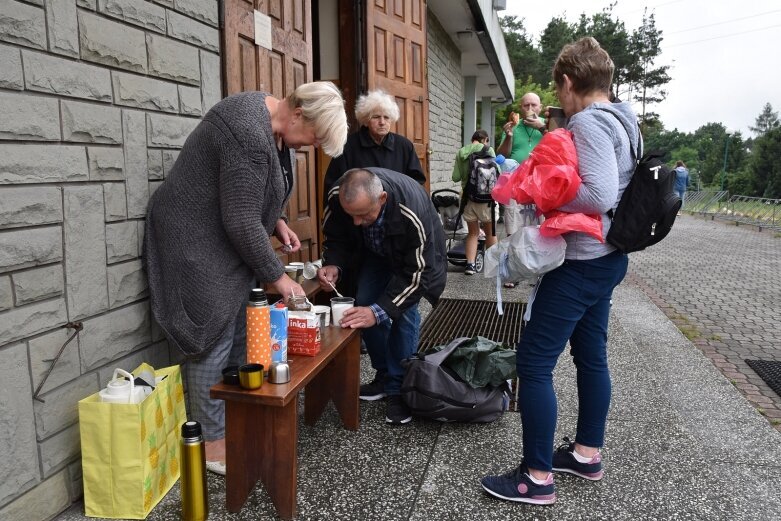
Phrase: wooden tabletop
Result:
[302,370]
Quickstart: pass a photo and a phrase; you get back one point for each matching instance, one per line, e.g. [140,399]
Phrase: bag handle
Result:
[129,377]
[635,155]
[441,355]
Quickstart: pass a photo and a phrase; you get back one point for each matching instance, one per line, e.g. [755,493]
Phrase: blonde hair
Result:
[322,106]
[376,102]
[586,64]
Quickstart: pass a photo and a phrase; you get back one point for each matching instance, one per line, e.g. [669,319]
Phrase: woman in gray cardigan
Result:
[209,228]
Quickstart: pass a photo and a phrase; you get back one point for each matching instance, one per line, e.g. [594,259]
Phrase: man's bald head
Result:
[530,102]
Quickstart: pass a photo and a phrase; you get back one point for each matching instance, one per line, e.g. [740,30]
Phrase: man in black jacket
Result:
[389,222]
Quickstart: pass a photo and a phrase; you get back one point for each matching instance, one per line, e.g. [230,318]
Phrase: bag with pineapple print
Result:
[130,451]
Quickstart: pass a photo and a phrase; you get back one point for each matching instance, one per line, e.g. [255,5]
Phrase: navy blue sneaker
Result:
[516,485]
[564,461]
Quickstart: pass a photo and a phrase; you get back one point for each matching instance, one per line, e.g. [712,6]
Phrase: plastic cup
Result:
[299,271]
[338,306]
[292,271]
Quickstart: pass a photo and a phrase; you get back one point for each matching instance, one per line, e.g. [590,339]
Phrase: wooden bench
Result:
[261,429]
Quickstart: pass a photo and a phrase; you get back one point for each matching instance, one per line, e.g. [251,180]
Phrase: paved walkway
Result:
[721,285]
[682,442]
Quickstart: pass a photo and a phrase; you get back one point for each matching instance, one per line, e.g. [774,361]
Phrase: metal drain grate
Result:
[453,318]
[769,371]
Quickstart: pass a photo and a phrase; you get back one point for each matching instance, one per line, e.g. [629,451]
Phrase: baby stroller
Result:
[448,205]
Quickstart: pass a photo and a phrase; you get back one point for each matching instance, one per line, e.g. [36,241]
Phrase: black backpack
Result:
[649,204]
[483,172]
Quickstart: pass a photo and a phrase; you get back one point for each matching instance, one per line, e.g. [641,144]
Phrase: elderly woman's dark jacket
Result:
[395,153]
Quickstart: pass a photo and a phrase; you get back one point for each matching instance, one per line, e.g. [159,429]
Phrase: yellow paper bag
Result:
[130,452]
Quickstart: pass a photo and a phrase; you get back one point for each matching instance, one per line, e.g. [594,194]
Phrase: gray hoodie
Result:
[606,164]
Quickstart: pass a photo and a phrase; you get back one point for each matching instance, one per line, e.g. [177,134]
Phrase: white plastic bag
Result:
[534,254]
[524,254]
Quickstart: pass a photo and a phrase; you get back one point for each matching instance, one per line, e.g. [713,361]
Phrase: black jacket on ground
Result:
[414,243]
[395,153]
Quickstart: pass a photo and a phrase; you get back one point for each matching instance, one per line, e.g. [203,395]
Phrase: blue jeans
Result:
[572,303]
[392,341]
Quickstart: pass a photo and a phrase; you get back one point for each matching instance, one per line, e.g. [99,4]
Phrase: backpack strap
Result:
[636,153]
[438,357]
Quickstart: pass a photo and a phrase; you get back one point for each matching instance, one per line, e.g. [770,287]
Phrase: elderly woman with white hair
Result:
[374,144]
[209,228]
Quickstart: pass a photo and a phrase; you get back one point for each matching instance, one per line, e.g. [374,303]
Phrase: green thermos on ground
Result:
[195,495]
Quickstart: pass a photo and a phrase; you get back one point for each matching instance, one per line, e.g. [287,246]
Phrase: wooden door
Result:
[396,63]
[278,71]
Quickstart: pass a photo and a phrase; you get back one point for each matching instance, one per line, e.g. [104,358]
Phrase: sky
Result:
[725,56]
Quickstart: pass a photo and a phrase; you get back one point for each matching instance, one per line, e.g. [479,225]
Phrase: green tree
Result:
[612,36]
[688,155]
[524,56]
[645,79]
[556,35]
[766,121]
[710,141]
[740,183]
[765,166]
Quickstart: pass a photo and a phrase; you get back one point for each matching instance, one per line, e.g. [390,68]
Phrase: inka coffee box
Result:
[303,333]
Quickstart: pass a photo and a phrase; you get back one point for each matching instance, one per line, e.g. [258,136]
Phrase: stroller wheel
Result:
[479,258]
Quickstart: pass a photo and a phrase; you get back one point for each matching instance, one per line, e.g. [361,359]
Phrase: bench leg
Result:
[279,460]
[243,426]
[261,444]
[339,381]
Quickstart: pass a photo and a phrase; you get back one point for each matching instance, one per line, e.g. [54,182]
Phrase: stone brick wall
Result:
[96,99]
[446,93]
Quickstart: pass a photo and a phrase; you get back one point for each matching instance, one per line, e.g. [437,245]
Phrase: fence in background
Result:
[758,211]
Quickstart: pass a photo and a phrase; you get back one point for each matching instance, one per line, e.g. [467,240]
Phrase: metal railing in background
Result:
[759,211]
[705,201]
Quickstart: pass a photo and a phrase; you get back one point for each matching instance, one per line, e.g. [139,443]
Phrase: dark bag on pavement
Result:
[648,206]
[435,392]
[483,172]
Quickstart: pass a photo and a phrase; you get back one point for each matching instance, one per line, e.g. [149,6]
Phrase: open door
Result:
[277,71]
[396,63]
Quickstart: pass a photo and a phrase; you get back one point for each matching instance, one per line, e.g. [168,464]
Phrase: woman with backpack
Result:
[572,302]
[476,215]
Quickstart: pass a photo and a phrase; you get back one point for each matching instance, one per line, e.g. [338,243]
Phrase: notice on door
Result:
[262,30]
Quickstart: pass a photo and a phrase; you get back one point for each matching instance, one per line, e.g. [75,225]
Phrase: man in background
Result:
[520,135]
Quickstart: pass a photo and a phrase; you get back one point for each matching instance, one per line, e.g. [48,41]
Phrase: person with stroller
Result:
[477,215]
[572,302]
[389,223]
